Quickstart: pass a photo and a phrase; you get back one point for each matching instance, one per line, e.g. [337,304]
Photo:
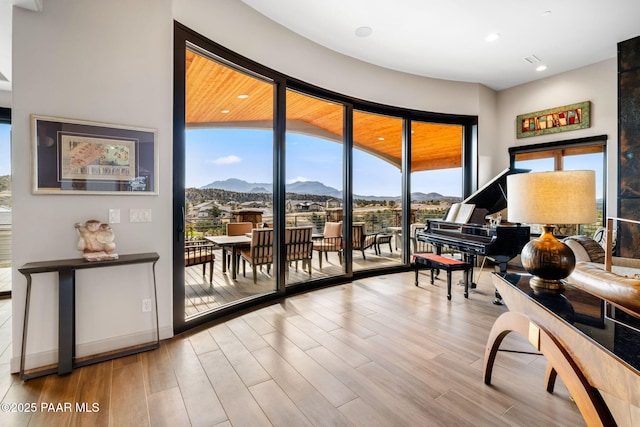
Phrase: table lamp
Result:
[547,198]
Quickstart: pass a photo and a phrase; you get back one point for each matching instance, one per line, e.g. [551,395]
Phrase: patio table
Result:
[233,243]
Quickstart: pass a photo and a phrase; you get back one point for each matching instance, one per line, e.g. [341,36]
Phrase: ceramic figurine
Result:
[96,241]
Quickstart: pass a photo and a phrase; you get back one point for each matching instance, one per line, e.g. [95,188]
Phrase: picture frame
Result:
[82,157]
[554,120]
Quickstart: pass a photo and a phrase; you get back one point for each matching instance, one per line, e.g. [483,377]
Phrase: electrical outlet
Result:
[146,305]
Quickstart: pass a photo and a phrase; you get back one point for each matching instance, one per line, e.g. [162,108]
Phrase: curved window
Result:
[322,182]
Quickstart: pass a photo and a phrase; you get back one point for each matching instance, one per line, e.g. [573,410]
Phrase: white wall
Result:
[107,62]
[597,83]
[5,99]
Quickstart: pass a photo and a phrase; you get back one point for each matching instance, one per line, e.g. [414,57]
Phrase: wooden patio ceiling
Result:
[219,96]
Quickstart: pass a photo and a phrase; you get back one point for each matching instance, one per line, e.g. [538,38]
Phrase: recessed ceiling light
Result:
[364,31]
[381,139]
[243,96]
[225,111]
[541,68]
[492,37]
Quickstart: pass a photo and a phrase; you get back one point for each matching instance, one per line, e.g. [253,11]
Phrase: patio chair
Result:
[362,240]
[260,252]
[237,229]
[330,242]
[200,252]
[299,246]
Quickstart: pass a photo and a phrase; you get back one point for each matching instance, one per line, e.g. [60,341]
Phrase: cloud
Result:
[298,179]
[228,160]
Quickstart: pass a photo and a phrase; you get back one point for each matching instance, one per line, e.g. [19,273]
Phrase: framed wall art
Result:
[79,157]
[554,120]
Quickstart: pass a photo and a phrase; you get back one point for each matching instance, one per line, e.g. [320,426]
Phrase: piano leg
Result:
[502,264]
[471,259]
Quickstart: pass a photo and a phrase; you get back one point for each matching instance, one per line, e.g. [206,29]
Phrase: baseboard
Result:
[95,348]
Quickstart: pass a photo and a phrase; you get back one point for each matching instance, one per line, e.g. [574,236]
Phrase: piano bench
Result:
[437,262]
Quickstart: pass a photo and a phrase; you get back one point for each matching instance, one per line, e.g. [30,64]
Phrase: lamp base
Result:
[549,261]
[546,286]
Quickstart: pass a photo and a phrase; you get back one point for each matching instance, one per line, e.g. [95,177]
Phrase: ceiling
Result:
[218,96]
[442,39]
[446,39]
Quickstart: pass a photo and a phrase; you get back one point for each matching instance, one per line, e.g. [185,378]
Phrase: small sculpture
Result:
[96,241]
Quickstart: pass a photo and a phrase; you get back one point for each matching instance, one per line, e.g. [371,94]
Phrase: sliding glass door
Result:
[228,180]
[5,202]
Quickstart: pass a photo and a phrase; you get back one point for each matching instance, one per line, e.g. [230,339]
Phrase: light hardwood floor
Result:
[375,352]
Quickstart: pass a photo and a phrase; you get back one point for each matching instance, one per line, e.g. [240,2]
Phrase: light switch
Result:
[139,215]
[114,216]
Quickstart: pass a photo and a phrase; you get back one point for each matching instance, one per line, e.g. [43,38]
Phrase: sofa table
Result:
[66,270]
[599,365]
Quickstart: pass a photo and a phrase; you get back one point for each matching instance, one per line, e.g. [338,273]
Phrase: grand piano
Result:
[474,236]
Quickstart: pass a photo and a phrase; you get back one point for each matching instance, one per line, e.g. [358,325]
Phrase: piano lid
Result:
[493,195]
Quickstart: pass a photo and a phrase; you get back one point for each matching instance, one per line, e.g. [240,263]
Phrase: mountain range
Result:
[310,187]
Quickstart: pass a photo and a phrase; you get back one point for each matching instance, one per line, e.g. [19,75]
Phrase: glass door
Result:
[436,175]
[5,203]
[377,191]
[314,190]
[228,185]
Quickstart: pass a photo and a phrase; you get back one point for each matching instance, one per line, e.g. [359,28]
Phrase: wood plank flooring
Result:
[375,352]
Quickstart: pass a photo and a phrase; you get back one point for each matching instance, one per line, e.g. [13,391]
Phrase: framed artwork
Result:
[79,157]
[554,120]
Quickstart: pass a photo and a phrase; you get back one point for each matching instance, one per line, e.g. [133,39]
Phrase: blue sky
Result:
[219,154]
[5,150]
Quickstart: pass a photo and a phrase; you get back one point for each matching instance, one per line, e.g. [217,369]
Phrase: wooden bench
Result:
[438,262]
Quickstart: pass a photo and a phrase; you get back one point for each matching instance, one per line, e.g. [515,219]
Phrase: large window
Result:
[228,183]
[314,187]
[5,202]
[579,154]
[377,189]
[436,175]
[325,174]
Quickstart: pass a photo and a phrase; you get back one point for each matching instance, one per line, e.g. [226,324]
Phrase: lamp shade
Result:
[559,197]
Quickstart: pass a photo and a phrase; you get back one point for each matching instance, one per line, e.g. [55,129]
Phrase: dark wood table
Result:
[598,363]
[232,243]
[66,269]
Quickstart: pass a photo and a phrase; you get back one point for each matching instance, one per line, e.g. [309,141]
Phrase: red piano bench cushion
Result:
[438,259]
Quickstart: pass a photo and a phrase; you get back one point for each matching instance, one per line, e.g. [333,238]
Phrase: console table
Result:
[600,371]
[66,270]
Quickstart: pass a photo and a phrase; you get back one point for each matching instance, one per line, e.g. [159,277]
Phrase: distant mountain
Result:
[238,185]
[315,188]
[312,187]
[300,187]
[422,197]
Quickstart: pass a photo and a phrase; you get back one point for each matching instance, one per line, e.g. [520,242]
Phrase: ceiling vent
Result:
[532,59]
